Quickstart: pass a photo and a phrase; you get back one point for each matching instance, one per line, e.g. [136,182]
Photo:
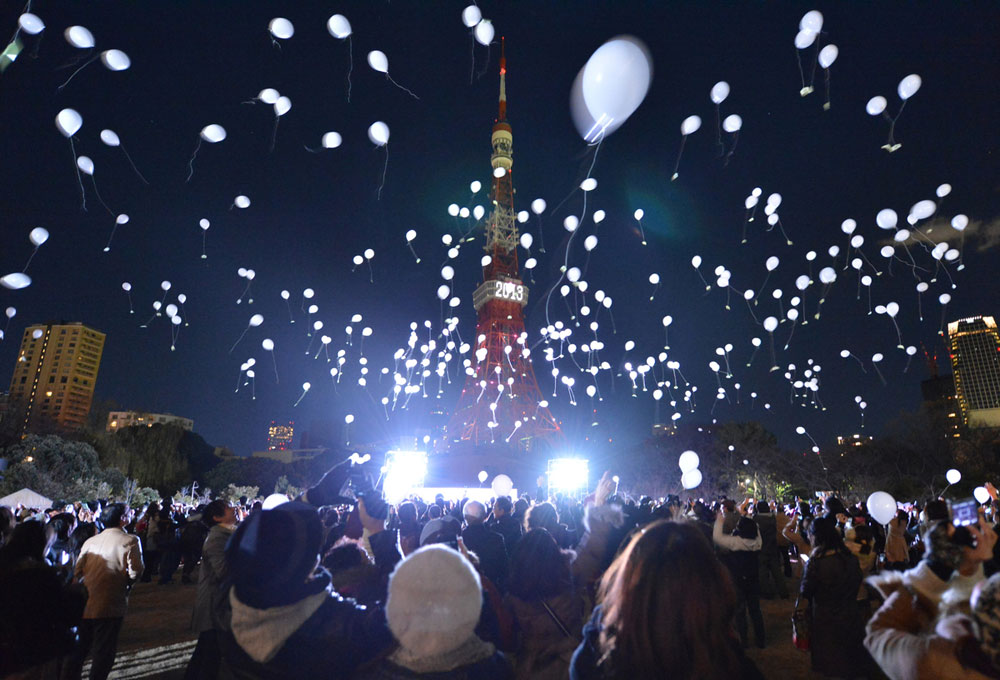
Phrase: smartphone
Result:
[964,512]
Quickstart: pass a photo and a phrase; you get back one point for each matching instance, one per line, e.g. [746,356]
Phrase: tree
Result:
[58,469]
[233,493]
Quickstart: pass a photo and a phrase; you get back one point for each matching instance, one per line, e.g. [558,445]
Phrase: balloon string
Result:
[191,162]
[274,133]
[826,105]
[87,63]
[94,182]
[732,149]
[679,154]
[385,169]
[472,54]
[108,246]
[718,131]
[133,166]
[802,75]
[204,255]
[79,180]
[407,91]
[30,258]
[238,339]
[350,67]
[815,60]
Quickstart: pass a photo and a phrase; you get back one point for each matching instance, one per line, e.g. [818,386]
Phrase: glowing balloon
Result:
[38,236]
[590,243]
[691,479]
[378,133]
[256,320]
[828,55]
[770,324]
[378,61]
[615,81]
[115,60]
[242,201]
[30,23]
[981,494]
[68,121]
[471,16]
[953,476]
[732,123]
[331,140]
[268,95]
[811,21]
[15,281]
[772,263]
[213,133]
[588,184]
[720,91]
[338,26]
[282,106]
[688,461]
[908,86]
[804,39]
[526,240]
[827,275]
[690,124]
[85,164]
[110,138]
[502,485]
[538,206]
[484,32]
[886,219]
[876,105]
[281,28]
[882,507]
[959,222]
[79,37]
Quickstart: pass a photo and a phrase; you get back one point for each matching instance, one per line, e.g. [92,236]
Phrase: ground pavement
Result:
[156,641]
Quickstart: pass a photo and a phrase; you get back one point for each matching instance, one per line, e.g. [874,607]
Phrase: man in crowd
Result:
[504,523]
[108,565]
[487,544]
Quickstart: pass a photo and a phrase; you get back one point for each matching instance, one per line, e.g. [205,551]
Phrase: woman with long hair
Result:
[666,608]
[830,583]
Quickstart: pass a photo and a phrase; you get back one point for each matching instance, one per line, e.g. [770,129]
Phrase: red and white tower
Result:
[501,402]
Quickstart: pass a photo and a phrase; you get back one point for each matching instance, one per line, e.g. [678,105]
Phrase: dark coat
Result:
[768,527]
[211,605]
[510,529]
[493,668]
[831,583]
[489,547]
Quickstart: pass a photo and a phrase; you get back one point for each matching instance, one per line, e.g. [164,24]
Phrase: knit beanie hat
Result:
[435,598]
[987,614]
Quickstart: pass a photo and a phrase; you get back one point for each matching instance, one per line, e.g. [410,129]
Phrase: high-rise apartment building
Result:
[53,383]
[279,437]
[975,359]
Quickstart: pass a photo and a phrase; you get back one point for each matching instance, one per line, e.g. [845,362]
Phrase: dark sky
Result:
[196,63]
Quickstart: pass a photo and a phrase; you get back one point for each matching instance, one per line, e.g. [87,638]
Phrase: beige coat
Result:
[108,565]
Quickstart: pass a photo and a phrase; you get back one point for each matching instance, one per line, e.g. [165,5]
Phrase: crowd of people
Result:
[338,583]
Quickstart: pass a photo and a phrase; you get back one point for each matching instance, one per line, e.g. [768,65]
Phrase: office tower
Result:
[975,360]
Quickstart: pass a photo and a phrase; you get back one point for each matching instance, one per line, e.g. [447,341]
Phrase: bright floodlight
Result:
[568,474]
[404,471]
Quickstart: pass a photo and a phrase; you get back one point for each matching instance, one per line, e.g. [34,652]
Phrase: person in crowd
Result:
[781,520]
[287,621]
[192,538]
[772,579]
[830,584]
[550,590]
[897,555]
[148,528]
[211,606]
[545,516]
[109,564]
[504,523]
[7,524]
[436,642]
[409,528]
[742,557]
[665,609]
[486,543]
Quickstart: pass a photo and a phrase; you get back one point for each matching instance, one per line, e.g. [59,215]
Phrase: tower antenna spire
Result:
[503,80]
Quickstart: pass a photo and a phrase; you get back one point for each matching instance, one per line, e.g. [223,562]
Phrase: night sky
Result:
[198,63]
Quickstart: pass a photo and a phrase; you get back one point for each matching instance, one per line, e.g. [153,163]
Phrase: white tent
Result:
[28,499]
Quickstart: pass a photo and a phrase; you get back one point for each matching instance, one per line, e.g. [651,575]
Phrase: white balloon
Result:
[38,236]
[638,214]
[944,298]
[772,263]
[923,209]
[691,479]
[10,312]
[696,261]
[331,140]
[338,26]
[598,216]
[828,55]
[85,164]
[953,476]
[959,222]
[719,92]
[981,494]
[690,124]
[281,28]
[30,23]
[268,344]
[943,190]
[410,235]
[882,507]
[804,39]
[812,21]
[164,286]
[848,226]
[15,281]
[770,323]
[378,61]
[892,309]
[667,320]
[484,32]
[732,123]
[901,236]
[538,206]
[378,133]
[282,106]
[115,60]
[79,37]
[876,105]
[590,243]
[688,461]
[588,184]
[530,263]
[471,16]
[121,219]
[827,275]
[213,133]
[256,320]
[242,201]
[171,310]
[615,80]
[110,138]
[908,86]
[527,240]
[447,272]
[802,282]
[268,95]
[654,279]
[502,485]
[68,121]
[886,219]
[126,286]
[887,251]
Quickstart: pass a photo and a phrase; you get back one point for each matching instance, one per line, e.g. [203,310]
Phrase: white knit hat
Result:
[435,598]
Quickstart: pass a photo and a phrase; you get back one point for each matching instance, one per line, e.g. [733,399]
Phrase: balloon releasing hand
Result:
[992,490]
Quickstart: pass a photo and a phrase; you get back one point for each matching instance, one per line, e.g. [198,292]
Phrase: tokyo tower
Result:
[501,402]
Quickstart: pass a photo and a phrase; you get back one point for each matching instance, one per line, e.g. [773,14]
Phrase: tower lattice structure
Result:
[501,401]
